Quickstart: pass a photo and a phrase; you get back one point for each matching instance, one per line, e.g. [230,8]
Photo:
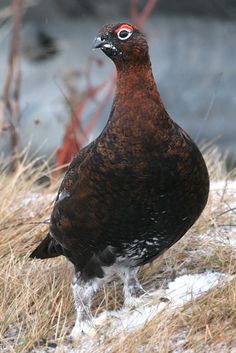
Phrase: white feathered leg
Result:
[132,288]
[83,292]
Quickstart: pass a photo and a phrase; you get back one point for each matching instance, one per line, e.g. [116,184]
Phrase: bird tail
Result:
[47,248]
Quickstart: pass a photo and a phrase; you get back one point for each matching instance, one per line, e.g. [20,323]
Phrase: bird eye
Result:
[124,34]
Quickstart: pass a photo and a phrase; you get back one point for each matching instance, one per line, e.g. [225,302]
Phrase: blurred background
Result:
[56,92]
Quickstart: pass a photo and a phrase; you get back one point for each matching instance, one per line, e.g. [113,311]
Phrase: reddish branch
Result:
[77,136]
[10,108]
[95,117]
[140,18]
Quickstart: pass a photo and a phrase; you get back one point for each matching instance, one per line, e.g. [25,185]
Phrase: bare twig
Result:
[134,10]
[94,118]
[141,18]
[211,104]
[70,103]
[230,209]
[7,11]
[11,88]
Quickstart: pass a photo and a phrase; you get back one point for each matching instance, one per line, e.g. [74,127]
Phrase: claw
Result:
[80,330]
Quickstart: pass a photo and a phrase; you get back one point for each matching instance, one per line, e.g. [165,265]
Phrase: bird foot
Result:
[81,329]
[90,328]
[133,302]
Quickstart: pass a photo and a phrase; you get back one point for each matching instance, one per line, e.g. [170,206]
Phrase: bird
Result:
[134,191]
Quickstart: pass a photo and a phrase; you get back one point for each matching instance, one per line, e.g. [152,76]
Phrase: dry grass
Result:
[36,308]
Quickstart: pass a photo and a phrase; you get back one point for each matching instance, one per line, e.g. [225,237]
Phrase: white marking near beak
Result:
[110,46]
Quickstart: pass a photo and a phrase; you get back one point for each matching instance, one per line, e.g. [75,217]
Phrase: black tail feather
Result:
[47,248]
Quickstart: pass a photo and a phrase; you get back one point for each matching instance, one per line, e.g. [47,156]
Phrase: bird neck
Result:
[137,80]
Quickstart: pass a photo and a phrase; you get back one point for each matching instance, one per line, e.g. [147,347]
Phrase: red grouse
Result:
[131,193]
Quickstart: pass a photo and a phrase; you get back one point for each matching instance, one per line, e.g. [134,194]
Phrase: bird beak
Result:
[99,42]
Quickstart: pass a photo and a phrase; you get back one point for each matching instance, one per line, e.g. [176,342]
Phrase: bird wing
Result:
[49,247]
[71,173]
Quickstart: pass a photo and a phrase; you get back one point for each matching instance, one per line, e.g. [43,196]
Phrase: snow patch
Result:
[221,185]
[126,320]
[226,236]
[179,292]
[35,202]
[36,197]
[188,287]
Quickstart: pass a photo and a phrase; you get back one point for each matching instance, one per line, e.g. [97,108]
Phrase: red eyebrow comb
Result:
[127,27]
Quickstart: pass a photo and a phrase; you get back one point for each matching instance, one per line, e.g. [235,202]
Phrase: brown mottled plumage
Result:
[135,190]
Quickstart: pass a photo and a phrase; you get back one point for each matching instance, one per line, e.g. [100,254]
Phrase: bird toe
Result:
[82,329]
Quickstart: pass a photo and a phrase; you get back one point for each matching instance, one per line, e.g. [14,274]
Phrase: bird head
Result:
[123,43]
